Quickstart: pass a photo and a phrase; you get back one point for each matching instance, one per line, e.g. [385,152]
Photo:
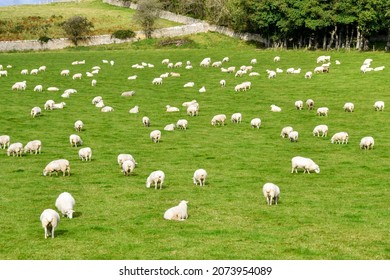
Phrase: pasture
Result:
[340,213]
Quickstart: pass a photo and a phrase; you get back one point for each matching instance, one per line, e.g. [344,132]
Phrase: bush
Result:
[44,39]
[77,28]
[123,34]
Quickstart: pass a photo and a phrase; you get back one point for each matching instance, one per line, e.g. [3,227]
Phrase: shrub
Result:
[44,39]
[123,34]
[77,28]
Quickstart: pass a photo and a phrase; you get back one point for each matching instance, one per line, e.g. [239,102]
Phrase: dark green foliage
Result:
[123,34]
[77,28]
[44,39]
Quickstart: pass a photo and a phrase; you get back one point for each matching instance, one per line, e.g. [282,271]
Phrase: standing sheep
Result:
[200,176]
[218,119]
[322,128]
[123,157]
[128,167]
[271,193]
[367,143]
[78,125]
[340,138]
[310,104]
[156,178]
[57,166]
[236,118]
[178,212]
[4,141]
[293,136]
[155,135]
[65,203]
[322,111]
[299,104]
[85,154]
[348,107]
[49,220]
[306,164]
[74,139]
[379,105]
[15,149]
[286,131]
[36,111]
[146,121]
[33,146]
[182,124]
[256,122]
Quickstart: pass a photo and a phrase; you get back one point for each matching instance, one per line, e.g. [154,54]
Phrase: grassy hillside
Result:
[341,213]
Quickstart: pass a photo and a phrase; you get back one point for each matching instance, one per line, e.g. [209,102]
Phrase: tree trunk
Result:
[358,39]
[388,39]
[324,42]
[332,35]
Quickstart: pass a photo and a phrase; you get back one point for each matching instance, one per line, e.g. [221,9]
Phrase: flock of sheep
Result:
[65,202]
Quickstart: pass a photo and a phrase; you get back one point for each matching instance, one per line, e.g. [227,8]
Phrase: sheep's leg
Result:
[46,233]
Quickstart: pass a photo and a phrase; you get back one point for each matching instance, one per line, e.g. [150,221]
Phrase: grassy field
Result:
[341,213]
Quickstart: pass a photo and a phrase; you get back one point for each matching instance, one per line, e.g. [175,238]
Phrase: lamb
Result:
[379,68]
[222,83]
[340,138]
[276,58]
[182,124]
[254,74]
[275,108]
[165,61]
[65,203]
[310,104]
[24,72]
[319,69]
[60,105]
[189,84]
[193,110]
[19,86]
[15,149]
[202,89]
[379,105]
[293,136]
[33,147]
[74,139]
[164,75]
[348,107]
[36,111]
[156,177]
[217,64]
[225,59]
[200,176]
[128,167]
[169,127]
[218,119]
[322,111]
[85,154]
[38,88]
[188,103]
[128,93]
[178,64]
[155,135]
[49,104]
[57,166]
[77,76]
[65,72]
[306,164]
[253,61]
[286,131]
[49,220]
[367,143]
[172,109]
[308,75]
[42,68]
[322,128]
[3,73]
[236,118]
[53,89]
[123,157]
[271,74]
[134,110]
[157,81]
[256,122]
[299,104]
[96,100]
[271,193]
[78,125]
[4,141]
[174,74]
[178,212]
[278,70]
[107,109]
[146,121]
[34,71]
[93,83]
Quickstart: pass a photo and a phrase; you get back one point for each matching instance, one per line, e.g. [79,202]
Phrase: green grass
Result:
[341,213]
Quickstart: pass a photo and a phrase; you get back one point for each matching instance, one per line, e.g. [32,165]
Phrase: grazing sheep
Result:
[169,127]
[165,61]
[65,72]
[38,88]
[189,84]
[310,104]
[15,149]
[155,135]
[77,76]
[286,131]
[93,83]
[178,213]
[275,108]
[49,220]
[146,121]
[4,141]
[218,119]
[49,104]
[36,111]
[306,164]
[271,193]
[253,61]
[157,81]
[65,203]
[123,157]
[319,69]
[299,104]
[322,111]
[172,109]
[156,178]
[134,110]
[348,107]
[96,100]
[193,110]
[128,167]
[236,118]
[225,59]
[19,86]
[205,62]
[276,58]
[85,154]
[200,176]
[24,72]
[222,83]
[78,125]
[34,71]
[308,75]
[271,74]
[182,124]
[107,109]
[322,128]
[74,139]
[33,147]
[42,68]
[256,122]
[340,138]
[293,136]
[367,143]
[379,105]
[57,166]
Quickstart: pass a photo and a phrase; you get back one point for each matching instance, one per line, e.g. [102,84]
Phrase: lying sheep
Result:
[367,143]
[178,212]
[202,89]
[65,203]
[57,166]
[322,111]
[156,178]
[60,105]
[128,93]
[128,167]
[189,84]
[286,131]
[275,108]
[320,129]
[85,154]
[78,125]
[75,140]
[53,89]
[218,119]
[182,124]
[170,108]
[16,149]
[169,127]
[107,109]
[100,104]
[236,118]
[340,138]
[348,107]
[293,136]
[200,176]
[189,103]
[146,121]
[34,146]
[36,111]
[306,164]
[299,104]
[155,136]
[379,105]
[49,220]
[134,110]
[256,122]
[271,193]
[96,100]
[4,141]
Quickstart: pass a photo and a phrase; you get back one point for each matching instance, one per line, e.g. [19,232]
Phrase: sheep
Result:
[49,220]
[256,122]
[310,104]
[182,124]
[379,105]
[134,77]
[93,83]
[319,69]
[77,76]
[70,91]
[297,71]
[367,61]
[253,74]
[128,93]
[276,58]
[189,84]
[65,203]
[78,125]
[146,121]
[33,146]
[170,65]
[4,141]
[323,58]
[286,131]
[36,111]
[24,72]
[100,104]
[157,177]
[340,138]
[349,107]
[64,72]
[200,176]
[60,105]
[218,119]
[225,59]
[271,74]
[275,108]
[42,68]
[174,74]
[367,143]
[202,89]
[337,62]
[236,118]
[308,75]
[299,104]
[38,88]
[188,103]
[178,212]
[157,81]
[34,71]
[172,109]
[306,164]
[128,167]
[134,110]
[205,62]
[19,86]
[379,68]
[216,64]
[169,127]
[271,193]
[15,149]
[96,100]
[107,109]
[231,69]
[193,110]
[89,74]
[85,154]
[278,70]
[178,64]
[49,104]
[53,89]
[155,136]
[322,128]
[293,136]
[57,166]
[290,70]
[322,111]
[165,61]
[3,73]
[74,139]
[222,83]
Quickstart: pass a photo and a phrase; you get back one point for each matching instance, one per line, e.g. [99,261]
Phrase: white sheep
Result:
[182,124]
[134,77]
[36,111]
[178,212]
[15,149]
[222,83]
[379,105]
[155,136]
[189,84]
[164,75]
[78,125]
[299,104]
[57,166]
[165,61]
[236,118]
[200,176]
[276,58]
[34,71]
[4,141]
[85,154]
[202,89]
[146,121]
[218,119]
[19,86]
[24,72]
[128,167]
[379,68]
[367,143]
[128,93]
[306,164]
[286,131]
[100,104]
[308,75]
[49,220]
[275,108]
[271,193]
[60,105]
[107,109]
[93,83]
[157,81]
[193,110]
[123,157]
[34,146]
[49,104]
[349,107]
[319,69]
[293,136]
[65,203]
[225,59]
[278,70]
[65,72]
[75,140]
[256,122]
[156,178]
[169,127]
[77,76]
[174,74]
[53,89]
[253,61]
[178,64]
[320,129]
[188,103]
[310,104]
[340,138]
[205,62]
[134,110]
[42,68]
[96,100]
[271,74]
[38,88]
[322,111]
[170,108]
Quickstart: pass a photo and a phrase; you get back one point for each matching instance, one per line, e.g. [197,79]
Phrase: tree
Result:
[147,13]
[77,28]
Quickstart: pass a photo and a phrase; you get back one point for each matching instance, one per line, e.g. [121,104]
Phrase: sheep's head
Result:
[317,169]
[69,214]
